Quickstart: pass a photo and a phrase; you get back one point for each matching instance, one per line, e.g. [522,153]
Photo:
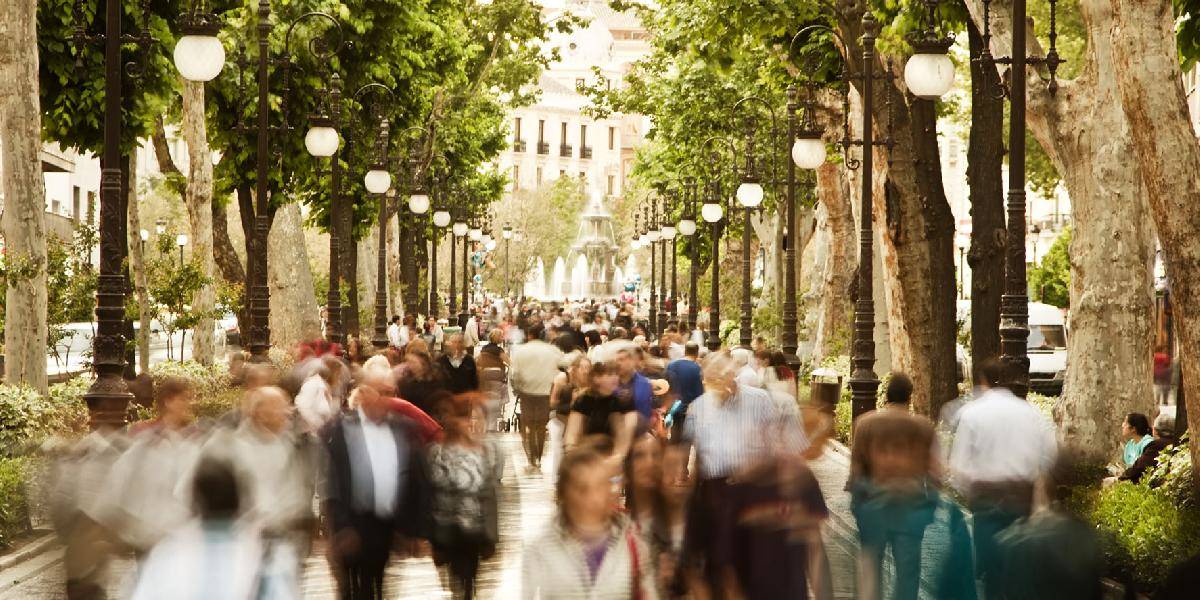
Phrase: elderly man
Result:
[532,372]
[374,488]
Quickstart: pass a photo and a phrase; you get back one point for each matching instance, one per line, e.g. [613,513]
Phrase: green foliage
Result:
[14,501]
[206,380]
[1044,404]
[546,218]
[1173,474]
[70,286]
[1050,280]
[172,285]
[1146,532]
[28,418]
[768,321]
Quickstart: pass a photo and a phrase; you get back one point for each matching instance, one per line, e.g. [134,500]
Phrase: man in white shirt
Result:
[532,370]
[394,332]
[743,359]
[1002,448]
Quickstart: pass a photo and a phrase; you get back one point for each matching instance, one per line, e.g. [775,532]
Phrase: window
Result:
[562,173]
[517,129]
[612,181]
[541,130]
[612,138]
[582,136]
[516,178]
[564,133]
[55,206]
[75,202]
[583,175]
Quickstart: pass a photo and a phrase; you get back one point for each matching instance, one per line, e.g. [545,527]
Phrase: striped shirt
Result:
[744,429]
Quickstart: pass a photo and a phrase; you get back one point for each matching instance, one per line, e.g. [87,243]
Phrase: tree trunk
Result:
[24,198]
[837,275]
[917,231]
[295,316]
[224,252]
[1090,140]
[368,249]
[137,267]
[199,201]
[1146,62]
[985,155]
[395,287]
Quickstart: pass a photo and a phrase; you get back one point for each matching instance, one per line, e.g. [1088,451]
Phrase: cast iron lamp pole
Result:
[662,265]
[750,195]
[418,205]
[441,219]
[507,233]
[669,233]
[458,231]
[1014,303]
[713,213]
[650,224]
[687,227]
[473,233]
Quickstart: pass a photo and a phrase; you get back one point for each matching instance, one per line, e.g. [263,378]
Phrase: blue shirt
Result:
[686,379]
[638,390]
[1133,449]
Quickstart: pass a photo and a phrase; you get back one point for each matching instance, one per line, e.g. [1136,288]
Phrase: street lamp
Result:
[459,230]
[1014,303]
[144,235]
[199,55]
[412,231]
[750,196]
[181,240]
[108,397]
[650,238]
[160,226]
[929,72]
[713,213]
[687,227]
[323,141]
[668,235]
[507,234]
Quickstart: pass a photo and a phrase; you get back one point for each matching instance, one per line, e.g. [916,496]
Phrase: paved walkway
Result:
[526,505]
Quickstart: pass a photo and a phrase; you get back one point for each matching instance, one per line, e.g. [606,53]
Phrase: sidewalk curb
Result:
[31,550]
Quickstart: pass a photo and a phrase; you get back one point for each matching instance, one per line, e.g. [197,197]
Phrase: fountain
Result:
[579,278]
[557,280]
[535,282]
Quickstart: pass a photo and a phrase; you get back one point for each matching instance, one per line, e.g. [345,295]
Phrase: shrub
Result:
[14,504]
[1044,404]
[207,380]
[1146,534]
[1173,474]
[70,417]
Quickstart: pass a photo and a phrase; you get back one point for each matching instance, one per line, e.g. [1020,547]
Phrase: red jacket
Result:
[427,429]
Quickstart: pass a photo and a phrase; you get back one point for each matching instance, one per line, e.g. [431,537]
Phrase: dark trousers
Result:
[535,414]
[994,507]
[361,573]
[462,561]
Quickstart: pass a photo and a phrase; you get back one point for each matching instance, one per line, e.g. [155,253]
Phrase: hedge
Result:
[14,503]
[1146,534]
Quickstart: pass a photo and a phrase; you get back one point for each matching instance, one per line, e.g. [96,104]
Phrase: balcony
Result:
[585,152]
[564,150]
[519,146]
[543,148]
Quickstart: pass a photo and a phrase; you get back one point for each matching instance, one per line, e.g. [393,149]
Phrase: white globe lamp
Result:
[929,73]
[668,232]
[322,139]
[475,234]
[711,212]
[418,203]
[750,194]
[687,227]
[377,181]
[490,245]
[199,56]
[441,218]
[460,229]
[808,151]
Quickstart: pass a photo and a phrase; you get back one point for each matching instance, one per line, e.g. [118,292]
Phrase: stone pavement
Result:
[526,505]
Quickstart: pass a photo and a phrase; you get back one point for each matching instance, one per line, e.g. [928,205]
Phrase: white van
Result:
[1047,348]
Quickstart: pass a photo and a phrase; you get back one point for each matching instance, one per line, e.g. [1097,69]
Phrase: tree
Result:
[172,286]
[547,218]
[1050,281]
[199,199]
[70,287]
[1091,141]
[24,198]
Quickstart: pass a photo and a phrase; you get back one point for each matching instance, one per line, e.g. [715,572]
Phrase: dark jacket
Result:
[1147,460]
[414,499]
[463,378]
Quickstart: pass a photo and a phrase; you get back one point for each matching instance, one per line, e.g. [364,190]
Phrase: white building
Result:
[554,138]
[72,187]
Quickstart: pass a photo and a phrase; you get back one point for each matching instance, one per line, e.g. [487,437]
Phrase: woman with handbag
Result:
[464,472]
[591,549]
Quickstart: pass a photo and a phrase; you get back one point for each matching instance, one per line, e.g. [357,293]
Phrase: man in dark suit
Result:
[375,489]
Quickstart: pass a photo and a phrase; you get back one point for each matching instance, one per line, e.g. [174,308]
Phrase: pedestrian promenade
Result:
[526,505]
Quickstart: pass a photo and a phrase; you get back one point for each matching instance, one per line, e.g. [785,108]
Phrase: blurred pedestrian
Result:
[1002,448]
[534,367]
[458,367]
[315,402]
[567,384]
[893,479]
[417,379]
[590,549]
[375,489]
[687,382]
[464,472]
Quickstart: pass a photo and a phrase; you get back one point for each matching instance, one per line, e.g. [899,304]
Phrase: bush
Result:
[206,380]
[1173,474]
[14,503]
[1146,534]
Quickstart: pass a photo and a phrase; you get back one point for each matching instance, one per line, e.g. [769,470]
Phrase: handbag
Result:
[637,570]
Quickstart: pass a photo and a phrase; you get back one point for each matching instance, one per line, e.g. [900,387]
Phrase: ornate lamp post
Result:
[459,230]
[474,234]
[441,219]
[750,196]
[669,233]
[713,213]
[322,141]
[652,237]
[108,397]
[687,227]
[507,234]
[418,205]
[1014,303]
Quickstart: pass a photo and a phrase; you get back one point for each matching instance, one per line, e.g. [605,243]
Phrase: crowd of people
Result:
[677,473]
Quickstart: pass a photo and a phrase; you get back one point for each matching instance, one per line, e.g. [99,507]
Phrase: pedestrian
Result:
[458,367]
[590,549]
[567,384]
[893,483]
[534,367]
[492,365]
[670,521]
[464,472]
[599,411]
[417,379]
[643,483]
[747,371]
[687,382]
[315,401]
[1002,448]
[375,489]
[634,388]
[396,333]
[748,456]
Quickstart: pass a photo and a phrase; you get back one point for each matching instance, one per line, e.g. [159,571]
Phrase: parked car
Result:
[228,326]
[1047,348]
